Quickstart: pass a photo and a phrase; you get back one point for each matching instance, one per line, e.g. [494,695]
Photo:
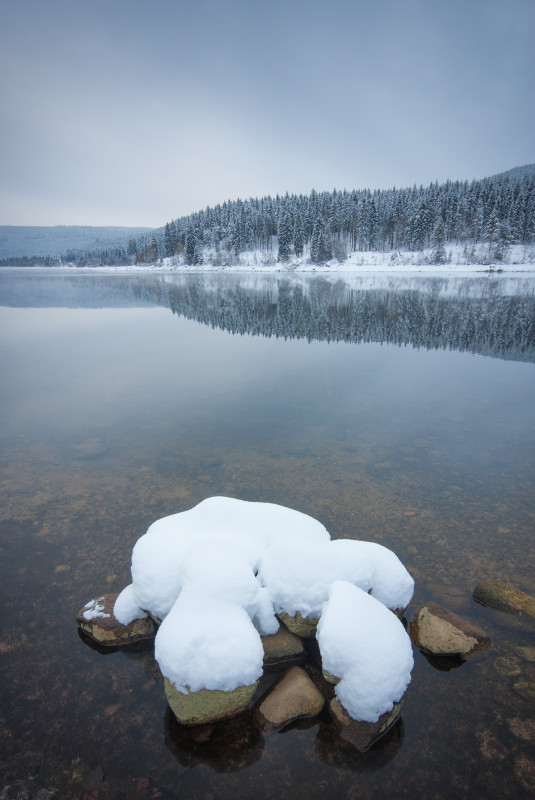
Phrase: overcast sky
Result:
[129,112]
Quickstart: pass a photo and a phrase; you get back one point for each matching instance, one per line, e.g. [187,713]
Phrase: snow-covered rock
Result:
[208,643]
[240,527]
[217,576]
[367,649]
[97,620]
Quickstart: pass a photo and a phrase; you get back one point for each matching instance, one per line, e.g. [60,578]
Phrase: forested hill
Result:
[498,211]
[490,214]
[23,241]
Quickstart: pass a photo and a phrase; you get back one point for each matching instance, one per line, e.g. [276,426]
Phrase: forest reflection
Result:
[486,315]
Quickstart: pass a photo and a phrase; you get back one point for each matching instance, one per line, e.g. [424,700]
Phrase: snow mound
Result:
[218,574]
[238,526]
[126,608]
[367,647]
[208,643]
[299,574]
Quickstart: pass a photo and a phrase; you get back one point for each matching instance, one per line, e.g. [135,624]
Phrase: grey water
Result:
[394,408]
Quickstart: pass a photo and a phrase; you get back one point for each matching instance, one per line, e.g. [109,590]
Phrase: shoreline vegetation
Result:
[489,223]
[520,259]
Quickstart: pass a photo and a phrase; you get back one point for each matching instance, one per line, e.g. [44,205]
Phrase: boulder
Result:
[208,705]
[97,621]
[498,595]
[443,633]
[298,625]
[294,697]
[282,647]
[363,735]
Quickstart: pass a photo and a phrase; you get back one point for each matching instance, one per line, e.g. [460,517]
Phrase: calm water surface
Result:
[395,409]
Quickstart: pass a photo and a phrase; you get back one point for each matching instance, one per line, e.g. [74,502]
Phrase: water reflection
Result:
[333,750]
[487,315]
[226,747]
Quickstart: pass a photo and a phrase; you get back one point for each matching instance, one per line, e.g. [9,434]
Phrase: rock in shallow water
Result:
[208,705]
[282,647]
[363,734]
[294,697]
[441,632]
[498,595]
[97,621]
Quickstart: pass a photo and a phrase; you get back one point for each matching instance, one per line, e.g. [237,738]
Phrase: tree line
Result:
[497,211]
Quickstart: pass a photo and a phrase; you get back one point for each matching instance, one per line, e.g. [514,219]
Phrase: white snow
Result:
[217,573]
[94,609]
[126,608]
[366,646]
[159,557]
[520,259]
[299,574]
[208,643]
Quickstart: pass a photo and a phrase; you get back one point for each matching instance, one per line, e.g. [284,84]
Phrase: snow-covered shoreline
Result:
[521,260]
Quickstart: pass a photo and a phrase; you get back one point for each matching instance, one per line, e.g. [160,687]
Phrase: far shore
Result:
[520,260]
[527,269]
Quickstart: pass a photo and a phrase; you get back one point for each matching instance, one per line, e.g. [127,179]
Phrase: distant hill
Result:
[19,241]
[528,170]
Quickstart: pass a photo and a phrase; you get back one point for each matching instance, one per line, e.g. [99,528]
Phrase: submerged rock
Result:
[97,621]
[282,647]
[441,632]
[363,735]
[208,705]
[498,595]
[525,689]
[294,697]
[298,625]
[526,653]
[522,728]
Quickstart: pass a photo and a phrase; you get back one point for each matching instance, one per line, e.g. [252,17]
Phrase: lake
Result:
[393,408]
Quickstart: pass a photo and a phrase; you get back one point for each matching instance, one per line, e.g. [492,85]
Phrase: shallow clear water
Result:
[393,409]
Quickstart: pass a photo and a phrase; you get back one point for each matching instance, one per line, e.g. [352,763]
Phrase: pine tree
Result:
[285,237]
[299,236]
[492,228]
[191,249]
[438,237]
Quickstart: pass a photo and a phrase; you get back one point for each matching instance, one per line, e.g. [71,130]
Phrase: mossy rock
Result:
[282,647]
[105,629]
[208,705]
[363,734]
[498,595]
[300,626]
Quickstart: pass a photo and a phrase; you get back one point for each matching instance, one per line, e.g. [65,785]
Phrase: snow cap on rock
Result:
[366,646]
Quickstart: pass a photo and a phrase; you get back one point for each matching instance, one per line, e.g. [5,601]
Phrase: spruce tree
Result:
[285,237]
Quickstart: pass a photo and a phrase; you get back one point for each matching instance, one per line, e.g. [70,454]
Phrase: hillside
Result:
[26,240]
[486,217]
[483,219]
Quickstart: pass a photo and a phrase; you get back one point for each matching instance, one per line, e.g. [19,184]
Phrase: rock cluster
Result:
[296,695]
